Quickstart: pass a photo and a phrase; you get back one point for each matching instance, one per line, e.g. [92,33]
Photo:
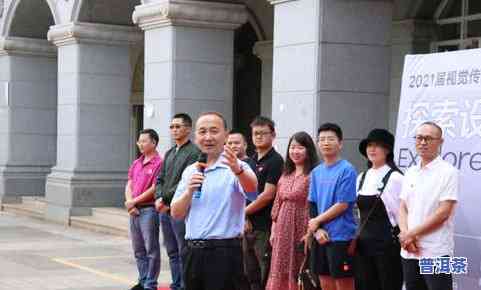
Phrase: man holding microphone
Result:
[215,214]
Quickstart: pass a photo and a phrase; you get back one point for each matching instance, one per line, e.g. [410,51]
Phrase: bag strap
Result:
[305,264]
[385,179]
[361,182]
[303,268]
[307,245]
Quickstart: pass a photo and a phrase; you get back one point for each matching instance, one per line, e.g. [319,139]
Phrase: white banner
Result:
[446,88]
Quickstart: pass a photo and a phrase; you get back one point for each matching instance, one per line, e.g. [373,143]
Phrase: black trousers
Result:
[416,281]
[379,272]
[256,255]
[217,268]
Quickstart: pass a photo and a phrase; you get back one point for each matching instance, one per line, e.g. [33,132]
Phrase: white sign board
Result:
[446,88]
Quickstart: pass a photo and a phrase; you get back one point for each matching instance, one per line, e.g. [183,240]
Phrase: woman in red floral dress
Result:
[290,213]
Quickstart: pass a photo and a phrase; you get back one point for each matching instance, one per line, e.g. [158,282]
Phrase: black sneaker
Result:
[137,287]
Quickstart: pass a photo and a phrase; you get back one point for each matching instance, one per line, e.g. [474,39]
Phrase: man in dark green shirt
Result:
[176,159]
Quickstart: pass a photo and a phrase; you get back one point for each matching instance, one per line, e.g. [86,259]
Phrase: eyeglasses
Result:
[427,139]
[261,133]
[175,126]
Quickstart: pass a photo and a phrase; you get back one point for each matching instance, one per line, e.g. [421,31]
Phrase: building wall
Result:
[407,37]
[343,51]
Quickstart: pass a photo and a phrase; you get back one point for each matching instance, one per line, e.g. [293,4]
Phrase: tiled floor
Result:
[43,256]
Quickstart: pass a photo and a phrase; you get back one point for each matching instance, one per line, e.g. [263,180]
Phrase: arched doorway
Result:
[24,25]
[95,76]
[115,12]
[247,80]
[29,132]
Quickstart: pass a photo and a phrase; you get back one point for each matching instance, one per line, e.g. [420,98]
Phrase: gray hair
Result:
[433,124]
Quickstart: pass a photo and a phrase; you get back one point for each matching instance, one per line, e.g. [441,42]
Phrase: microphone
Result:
[201,166]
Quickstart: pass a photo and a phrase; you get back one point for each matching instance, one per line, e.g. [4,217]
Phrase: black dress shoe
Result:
[137,287]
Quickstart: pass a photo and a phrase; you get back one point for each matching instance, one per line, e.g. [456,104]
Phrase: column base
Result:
[5,199]
[75,194]
[61,214]
[18,181]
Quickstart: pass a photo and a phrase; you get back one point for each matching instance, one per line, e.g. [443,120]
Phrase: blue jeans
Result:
[173,232]
[144,231]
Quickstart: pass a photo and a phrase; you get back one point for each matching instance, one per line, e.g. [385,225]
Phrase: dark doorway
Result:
[137,106]
[137,126]
[247,81]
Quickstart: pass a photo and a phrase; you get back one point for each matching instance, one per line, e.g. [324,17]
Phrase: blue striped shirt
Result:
[218,213]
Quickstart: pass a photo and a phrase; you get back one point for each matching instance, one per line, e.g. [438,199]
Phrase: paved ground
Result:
[43,256]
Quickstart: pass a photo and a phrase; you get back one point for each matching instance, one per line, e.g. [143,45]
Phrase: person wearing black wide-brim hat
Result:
[378,189]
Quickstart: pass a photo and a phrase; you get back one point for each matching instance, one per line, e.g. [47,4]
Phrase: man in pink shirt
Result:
[144,220]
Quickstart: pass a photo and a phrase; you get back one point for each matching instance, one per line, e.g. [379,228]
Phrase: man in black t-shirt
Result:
[269,166]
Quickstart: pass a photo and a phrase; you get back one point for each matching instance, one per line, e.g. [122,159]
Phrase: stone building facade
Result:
[79,78]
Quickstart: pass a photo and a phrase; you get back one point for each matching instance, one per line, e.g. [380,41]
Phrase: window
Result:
[474,28]
[474,7]
[448,31]
[458,25]
[452,8]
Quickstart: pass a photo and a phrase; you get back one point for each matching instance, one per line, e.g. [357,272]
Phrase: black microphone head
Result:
[202,162]
[202,158]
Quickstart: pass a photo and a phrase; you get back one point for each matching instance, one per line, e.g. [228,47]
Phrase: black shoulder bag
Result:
[306,279]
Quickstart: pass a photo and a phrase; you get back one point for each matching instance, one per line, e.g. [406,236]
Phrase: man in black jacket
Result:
[176,159]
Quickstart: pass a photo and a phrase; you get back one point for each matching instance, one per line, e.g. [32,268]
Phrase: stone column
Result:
[408,37]
[94,85]
[264,51]
[188,59]
[331,63]
[28,116]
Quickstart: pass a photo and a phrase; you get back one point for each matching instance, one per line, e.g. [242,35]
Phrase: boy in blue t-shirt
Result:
[332,194]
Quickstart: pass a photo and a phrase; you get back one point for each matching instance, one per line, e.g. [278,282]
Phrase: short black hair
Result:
[331,127]
[185,118]
[213,113]
[237,131]
[152,135]
[263,121]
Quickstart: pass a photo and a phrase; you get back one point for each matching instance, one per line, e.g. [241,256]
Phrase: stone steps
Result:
[33,207]
[108,220]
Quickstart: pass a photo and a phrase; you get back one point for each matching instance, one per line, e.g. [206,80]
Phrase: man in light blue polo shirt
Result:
[332,194]
[215,214]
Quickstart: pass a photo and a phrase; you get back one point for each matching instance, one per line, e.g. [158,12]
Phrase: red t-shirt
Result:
[142,176]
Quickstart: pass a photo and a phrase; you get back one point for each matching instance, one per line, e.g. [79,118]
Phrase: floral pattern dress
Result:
[290,216]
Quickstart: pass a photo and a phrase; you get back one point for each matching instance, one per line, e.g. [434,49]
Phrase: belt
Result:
[214,243]
[144,205]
